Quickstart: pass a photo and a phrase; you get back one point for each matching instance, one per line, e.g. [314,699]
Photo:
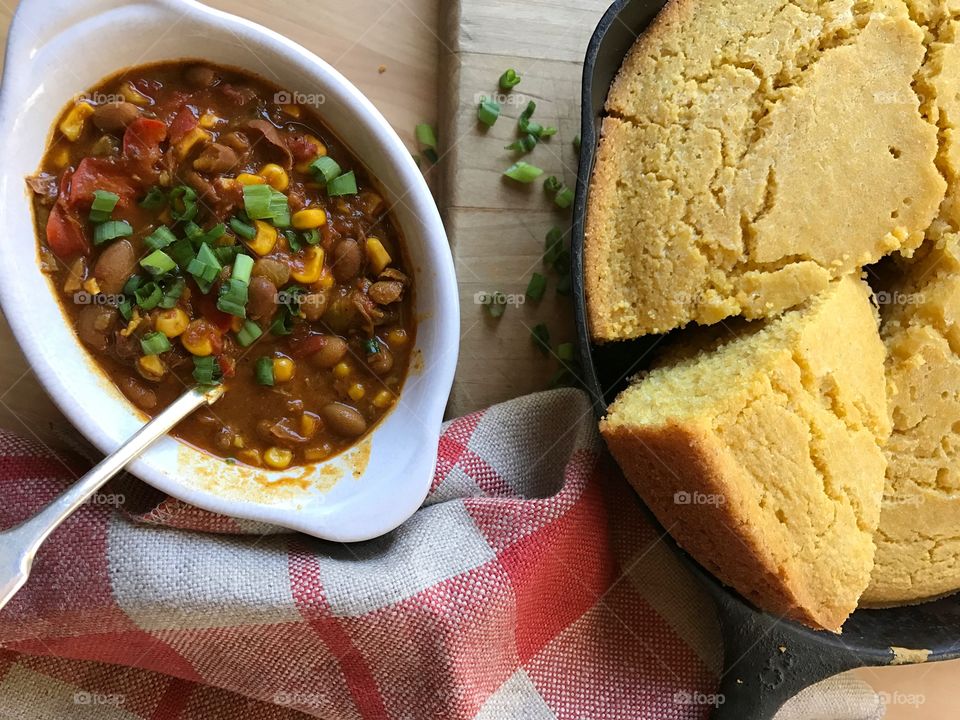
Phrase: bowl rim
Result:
[434,251]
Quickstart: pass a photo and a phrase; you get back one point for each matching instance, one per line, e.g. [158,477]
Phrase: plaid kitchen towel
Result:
[528,587]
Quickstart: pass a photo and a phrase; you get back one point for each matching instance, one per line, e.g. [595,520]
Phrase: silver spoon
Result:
[19,544]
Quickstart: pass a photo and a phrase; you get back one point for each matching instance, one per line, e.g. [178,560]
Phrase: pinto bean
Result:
[216,158]
[115,116]
[115,266]
[384,292]
[344,420]
[313,306]
[331,351]
[94,324]
[381,362]
[262,303]
[200,76]
[273,270]
[139,394]
[347,260]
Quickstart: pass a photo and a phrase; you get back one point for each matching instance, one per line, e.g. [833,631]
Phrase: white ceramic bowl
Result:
[60,48]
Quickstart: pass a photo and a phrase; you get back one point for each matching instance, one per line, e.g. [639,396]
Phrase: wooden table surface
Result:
[404,36]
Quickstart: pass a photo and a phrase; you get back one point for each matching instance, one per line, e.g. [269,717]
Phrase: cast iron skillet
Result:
[758,675]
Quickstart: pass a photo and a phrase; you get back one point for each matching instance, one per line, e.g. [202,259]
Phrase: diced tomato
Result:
[306,345]
[183,122]
[65,236]
[141,141]
[301,148]
[228,366]
[100,174]
[207,305]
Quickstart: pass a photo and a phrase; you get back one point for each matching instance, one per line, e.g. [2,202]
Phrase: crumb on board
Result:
[382,69]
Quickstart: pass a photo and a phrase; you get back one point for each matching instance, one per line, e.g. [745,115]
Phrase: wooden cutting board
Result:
[496,226]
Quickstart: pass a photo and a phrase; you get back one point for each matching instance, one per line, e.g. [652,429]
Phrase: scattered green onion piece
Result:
[130,287]
[554,245]
[371,346]
[523,144]
[233,297]
[160,238]
[324,169]
[226,254]
[565,352]
[263,370]
[426,136]
[155,199]
[171,295]
[248,333]
[561,263]
[158,263]
[431,155]
[283,323]
[524,119]
[193,232]
[104,202]
[536,287]
[311,236]
[548,132]
[523,172]
[206,370]
[111,230]
[293,242]
[154,343]
[214,233]
[564,285]
[509,80]
[183,203]
[279,209]
[488,111]
[576,143]
[256,201]
[552,184]
[181,252]
[242,266]
[540,335]
[563,198]
[247,232]
[496,304]
[125,307]
[148,295]
[345,184]
[205,268]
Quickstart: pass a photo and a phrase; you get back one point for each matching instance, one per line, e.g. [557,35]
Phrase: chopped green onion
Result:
[248,333]
[548,132]
[283,324]
[104,202]
[183,203]
[524,119]
[206,370]
[552,184]
[205,268]
[371,346]
[565,352]
[537,287]
[293,242]
[488,111]
[132,284]
[214,233]
[198,236]
[256,201]
[158,263]
[496,304]
[563,198]
[154,343]
[564,285]
[540,335]
[233,296]
[125,307]
[111,230]
[345,184]
[311,236]
[509,80]
[171,295]
[554,246]
[279,209]
[155,199]
[247,232]
[226,254]
[523,172]
[426,136]
[263,370]
[324,169]
[160,238]
[181,252]
[431,155]
[561,263]
[523,144]
[576,143]
[148,295]
[242,266]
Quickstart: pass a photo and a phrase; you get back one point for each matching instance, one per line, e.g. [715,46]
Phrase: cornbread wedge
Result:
[761,454]
[753,152]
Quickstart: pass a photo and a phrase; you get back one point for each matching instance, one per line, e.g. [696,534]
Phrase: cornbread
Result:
[756,150]
[918,541]
[762,454]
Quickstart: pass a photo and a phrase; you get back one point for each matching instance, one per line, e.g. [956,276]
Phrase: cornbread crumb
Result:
[762,454]
[755,151]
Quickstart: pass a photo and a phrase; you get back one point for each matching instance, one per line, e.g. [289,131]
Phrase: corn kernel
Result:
[309,219]
[132,95]
[197,135]
[312,266]
[209,121]
[383,399]
[250,179]
[326,280]
[91,286]
[172,322]
[283,369]
[304,167]
[341,370]
[239,442]
[250,457]
[196,340]
[265,240]
[132,324]
[356,392]
[291,110]
[277,458]
[76,120]
[397,337]
[151,367]
[316,454]
[308,425]
[377,255]
[60,157]
[275,176]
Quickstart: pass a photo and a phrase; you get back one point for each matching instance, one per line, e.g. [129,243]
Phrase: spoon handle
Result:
[19,544]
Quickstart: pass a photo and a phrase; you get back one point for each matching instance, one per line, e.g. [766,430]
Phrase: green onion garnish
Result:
[125,307]
[206,370]
[552,184]
[564,285]
[553,246]
[537,287]
[576,143]
[148,295]
[279,209]
[540,335]
[155,199]
[293,241]
[263,370]
[181,252]
[283,324]
[256,201]
[523,144]
[158,263]
[563,198]
[104,202]
[509,80]
[132,284]
[171,294]
[205,268]
[426,136]
[345,184]
[248,333]
[311,236]
[523,172]
[496,304]
[371,346]
[565,352]
[183,203]
[111,230]
[247,232]
[324,169]
[233,296]
[242,266]
[488,111]
[548,132]
[154,343]
[226,254]
[160,238]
